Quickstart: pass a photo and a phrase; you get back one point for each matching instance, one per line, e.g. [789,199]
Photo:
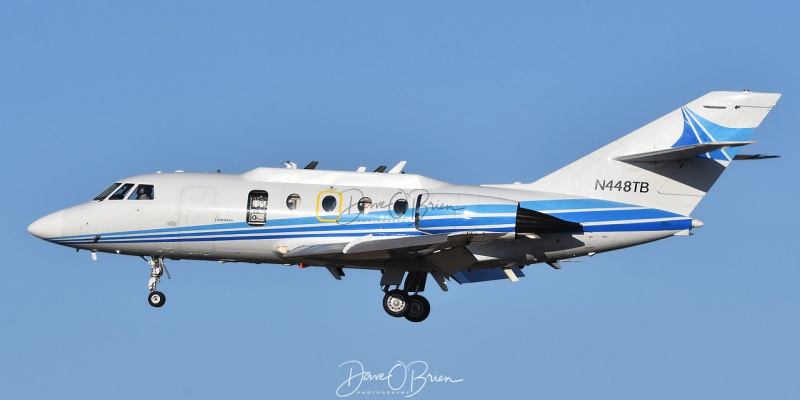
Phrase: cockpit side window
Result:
[106,192]
[143,192]
[121,192]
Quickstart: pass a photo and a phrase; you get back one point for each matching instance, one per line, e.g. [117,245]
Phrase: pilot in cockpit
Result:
[144,192]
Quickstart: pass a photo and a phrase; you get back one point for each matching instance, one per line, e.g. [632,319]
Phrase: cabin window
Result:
[257,208]
[329,203]
[400,207]
[293,201]
[329,206]
[121,192]
[364,205]
[142,192]
[106,192]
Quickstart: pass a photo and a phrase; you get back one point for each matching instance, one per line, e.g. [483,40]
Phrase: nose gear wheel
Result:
[156,298]
[157,268]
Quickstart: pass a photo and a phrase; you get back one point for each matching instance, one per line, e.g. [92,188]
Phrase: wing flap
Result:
[370,243]
[316,250]
[483,275]
[452,260]
[422,245]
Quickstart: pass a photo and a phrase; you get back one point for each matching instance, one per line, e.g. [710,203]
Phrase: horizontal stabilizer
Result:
[483,275]
[680,153]
[754,156]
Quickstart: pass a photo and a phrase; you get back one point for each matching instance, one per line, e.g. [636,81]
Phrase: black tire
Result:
[156,299]
[395,303]
[418,308]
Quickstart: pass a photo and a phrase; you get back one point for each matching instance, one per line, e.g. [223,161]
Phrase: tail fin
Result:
[671,163]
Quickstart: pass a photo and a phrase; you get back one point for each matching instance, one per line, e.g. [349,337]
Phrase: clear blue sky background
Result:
[467,92]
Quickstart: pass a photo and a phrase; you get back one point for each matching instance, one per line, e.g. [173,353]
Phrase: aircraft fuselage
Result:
[261,215]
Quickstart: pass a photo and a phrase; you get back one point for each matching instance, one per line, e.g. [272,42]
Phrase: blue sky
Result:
[467,92]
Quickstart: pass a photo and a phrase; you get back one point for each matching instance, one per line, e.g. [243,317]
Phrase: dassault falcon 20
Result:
[640,188]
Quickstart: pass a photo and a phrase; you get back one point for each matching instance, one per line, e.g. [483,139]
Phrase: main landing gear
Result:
[399,303]
[156,298]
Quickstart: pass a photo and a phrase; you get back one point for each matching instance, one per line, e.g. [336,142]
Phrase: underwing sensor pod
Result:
[637,189]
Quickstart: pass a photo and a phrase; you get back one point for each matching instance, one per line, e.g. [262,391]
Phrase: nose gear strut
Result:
[157,266]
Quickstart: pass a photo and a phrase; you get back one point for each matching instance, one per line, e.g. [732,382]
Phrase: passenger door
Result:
[197,220]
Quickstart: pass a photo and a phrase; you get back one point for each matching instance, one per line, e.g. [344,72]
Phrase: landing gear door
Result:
[197,220]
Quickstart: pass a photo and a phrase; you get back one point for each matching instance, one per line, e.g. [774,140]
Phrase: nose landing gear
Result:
[157,266]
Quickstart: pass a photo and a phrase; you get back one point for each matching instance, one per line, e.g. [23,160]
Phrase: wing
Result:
[447,252]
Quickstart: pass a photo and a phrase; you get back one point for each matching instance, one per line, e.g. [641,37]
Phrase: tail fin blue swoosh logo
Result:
[697,129]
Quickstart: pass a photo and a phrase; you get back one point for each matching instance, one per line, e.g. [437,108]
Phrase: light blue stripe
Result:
[570,204]
[242,237]
[383,223]
[614,215]
[674,225]
[437,210]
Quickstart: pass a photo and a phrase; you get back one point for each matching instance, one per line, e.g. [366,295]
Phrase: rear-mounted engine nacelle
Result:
[451,212]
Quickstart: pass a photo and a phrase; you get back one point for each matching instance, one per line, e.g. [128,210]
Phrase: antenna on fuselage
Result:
[397,168]
[311,165]
[289,164]
[380,169]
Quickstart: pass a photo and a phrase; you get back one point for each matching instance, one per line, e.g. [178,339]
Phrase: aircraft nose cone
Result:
[49,226]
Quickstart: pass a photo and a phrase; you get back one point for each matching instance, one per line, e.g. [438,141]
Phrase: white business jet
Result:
[640,188]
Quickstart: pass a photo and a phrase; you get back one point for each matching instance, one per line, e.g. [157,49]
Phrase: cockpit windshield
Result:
[106,192]
[121,192]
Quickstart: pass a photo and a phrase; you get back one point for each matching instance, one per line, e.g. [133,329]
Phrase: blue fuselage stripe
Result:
[618,217]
